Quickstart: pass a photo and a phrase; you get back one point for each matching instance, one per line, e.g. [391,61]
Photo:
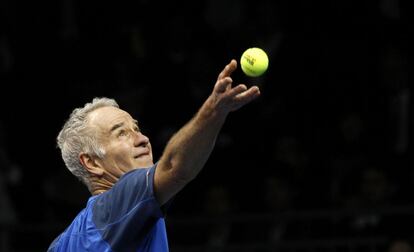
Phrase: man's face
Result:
[126,148]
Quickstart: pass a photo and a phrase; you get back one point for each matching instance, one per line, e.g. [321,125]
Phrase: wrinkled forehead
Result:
[106,117]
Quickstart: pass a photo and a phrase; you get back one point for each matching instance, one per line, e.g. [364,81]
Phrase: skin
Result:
[184,155]
[125,146]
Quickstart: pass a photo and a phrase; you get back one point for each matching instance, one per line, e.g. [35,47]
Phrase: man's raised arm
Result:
[188,150]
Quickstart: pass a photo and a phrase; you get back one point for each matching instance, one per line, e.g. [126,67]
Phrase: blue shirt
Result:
[125,218]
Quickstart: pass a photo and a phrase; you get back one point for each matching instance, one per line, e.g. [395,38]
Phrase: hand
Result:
[227,98]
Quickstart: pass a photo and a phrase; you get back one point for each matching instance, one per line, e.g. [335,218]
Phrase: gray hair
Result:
[77,137]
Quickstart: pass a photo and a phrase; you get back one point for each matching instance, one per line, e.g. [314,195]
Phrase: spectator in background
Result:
[374,193]
[347,154]
[394,77]
[279,197]
[289,152]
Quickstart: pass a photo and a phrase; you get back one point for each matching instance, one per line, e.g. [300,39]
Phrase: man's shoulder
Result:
[54,244]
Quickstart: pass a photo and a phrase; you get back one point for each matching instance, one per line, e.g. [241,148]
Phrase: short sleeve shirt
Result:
[125,218]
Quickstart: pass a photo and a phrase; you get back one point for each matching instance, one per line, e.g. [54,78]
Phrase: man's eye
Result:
[122,133]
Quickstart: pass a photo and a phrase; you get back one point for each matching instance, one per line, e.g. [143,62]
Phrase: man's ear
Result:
[91,165]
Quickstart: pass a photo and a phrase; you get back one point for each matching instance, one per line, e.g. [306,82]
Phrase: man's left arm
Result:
[188,150]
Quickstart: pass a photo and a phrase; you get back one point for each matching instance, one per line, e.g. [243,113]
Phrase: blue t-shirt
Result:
[125,218]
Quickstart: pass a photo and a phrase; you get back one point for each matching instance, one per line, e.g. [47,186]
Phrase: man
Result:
[103,146]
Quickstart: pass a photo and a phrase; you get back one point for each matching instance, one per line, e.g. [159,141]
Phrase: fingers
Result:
[228,69]
[239,96]
[247,96]
[223,84]
[237,90]
[236,96]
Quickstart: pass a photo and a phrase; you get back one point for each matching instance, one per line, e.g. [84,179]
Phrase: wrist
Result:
[210,110]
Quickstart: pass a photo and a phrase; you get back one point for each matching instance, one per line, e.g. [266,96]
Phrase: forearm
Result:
[188,150]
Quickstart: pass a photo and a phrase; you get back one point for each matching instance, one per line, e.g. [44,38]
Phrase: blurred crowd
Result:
[332,131]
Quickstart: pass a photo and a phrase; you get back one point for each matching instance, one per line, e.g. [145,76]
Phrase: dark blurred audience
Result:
[372,195]
[279,200]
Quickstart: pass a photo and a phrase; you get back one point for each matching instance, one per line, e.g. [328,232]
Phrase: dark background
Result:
[335,105]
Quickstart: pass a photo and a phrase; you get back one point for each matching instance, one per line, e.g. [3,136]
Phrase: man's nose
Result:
[140,139]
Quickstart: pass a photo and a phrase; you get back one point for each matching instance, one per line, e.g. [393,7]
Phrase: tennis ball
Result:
[254,62]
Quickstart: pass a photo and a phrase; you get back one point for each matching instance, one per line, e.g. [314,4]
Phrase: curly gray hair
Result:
[76,137]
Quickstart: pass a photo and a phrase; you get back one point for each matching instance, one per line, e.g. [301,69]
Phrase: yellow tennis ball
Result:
[254,62]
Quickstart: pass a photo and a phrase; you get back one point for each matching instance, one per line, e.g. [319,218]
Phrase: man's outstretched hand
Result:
[227,98]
